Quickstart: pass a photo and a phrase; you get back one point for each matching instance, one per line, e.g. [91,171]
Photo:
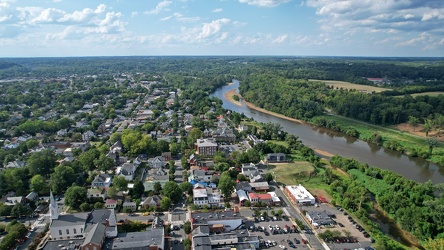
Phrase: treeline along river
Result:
[413,168]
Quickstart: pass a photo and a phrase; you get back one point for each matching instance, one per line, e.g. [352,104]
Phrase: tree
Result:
[38,184]
[413,121]
[104,163]
[194,134]
[165,203]
[5,210]
[74,196]
[162,146]
[62,178]
[431,142]
[186,187]
[187,227]
[87,159]
[226,185]
[257,213]
[187,244]
[112,192]
[157,187]
[241,177]
[172,191]
[98,205]
[42,162]
[428,124]
[121,183]
[20,210]
[184,162]
[174,148]
[84,207]
[268,177]
[137,191]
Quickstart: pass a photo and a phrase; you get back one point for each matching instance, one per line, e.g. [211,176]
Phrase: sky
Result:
[57,28]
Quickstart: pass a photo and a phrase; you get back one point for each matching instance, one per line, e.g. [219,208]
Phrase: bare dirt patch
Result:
[419,131]
[229,96]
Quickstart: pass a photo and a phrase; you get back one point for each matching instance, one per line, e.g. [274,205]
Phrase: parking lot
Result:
[177,238]
[278,233]
[348,228]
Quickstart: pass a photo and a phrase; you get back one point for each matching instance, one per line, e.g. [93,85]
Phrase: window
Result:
[75,231]
[81,230]
[67,231]
[60,232]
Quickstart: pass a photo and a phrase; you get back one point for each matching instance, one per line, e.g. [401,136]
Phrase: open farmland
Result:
[348,85]
[428,93]
[288,173]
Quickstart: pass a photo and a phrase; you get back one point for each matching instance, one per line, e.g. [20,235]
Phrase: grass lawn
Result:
[437,93]
[290,173]
[283,143]
[349,85]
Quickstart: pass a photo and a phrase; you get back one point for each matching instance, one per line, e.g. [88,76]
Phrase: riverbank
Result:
[229,96]
[411,144]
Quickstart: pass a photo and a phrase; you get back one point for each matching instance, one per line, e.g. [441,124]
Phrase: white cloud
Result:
[265,3]
[162,6]
[280,39]
[380,15]
[212,28]
[217,10]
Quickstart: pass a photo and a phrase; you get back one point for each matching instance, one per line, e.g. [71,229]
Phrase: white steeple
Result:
[53,208]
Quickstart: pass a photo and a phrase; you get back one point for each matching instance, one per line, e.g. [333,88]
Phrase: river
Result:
[323,139]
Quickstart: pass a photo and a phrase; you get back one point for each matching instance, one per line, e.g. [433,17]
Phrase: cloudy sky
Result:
[34,28]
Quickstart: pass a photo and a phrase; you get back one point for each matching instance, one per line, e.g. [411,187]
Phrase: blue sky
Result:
[34,28]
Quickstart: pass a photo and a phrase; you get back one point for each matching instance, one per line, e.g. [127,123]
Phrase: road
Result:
[314,241]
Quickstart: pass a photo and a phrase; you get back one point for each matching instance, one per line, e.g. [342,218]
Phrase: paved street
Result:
[314,241]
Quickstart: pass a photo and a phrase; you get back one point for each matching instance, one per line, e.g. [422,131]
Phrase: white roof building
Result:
[299,194]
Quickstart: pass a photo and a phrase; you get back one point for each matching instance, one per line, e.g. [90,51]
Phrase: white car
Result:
[282,246]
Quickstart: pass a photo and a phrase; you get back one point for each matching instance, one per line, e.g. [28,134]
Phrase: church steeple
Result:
[53,208]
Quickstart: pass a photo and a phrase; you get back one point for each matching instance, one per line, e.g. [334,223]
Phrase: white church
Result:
[88,229]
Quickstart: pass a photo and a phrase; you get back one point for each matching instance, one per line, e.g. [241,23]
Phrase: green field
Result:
[408,141]
[289,173]
[426,93]
[349,85]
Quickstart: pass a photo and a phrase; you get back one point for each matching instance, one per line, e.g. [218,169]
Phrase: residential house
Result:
[130,205]
[96,193]
[204,196]
[249,169]
[275,157]
[200,175]
[243,185]
[15,164]
[110,203]
[88,135]
[152,201]
[127,170]
[102,181]
[33,196]
[156,162]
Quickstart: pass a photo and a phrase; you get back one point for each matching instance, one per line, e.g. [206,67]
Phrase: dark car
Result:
[297,241]
[340,224]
